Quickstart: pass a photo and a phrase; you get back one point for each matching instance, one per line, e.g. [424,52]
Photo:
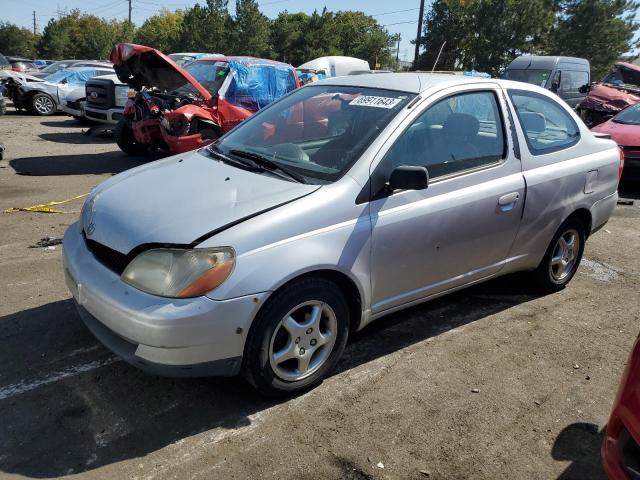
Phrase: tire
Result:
[125,139]
[561,260]
[316,344]
[42,104]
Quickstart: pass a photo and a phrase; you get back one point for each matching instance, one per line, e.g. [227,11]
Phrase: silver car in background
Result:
[346,200]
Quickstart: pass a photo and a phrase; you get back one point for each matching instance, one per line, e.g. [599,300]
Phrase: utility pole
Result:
[419,35]
[129,11]
[398,50]
[35,30]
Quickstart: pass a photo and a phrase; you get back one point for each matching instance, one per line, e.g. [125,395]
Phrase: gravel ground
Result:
[492,382]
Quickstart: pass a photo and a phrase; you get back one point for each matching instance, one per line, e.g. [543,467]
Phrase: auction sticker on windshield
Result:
[373,101]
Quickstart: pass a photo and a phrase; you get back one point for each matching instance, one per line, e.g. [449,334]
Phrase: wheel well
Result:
[584,216]
[346,285]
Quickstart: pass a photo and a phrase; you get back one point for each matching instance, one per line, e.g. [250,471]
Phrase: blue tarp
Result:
[254,86]
[72,77]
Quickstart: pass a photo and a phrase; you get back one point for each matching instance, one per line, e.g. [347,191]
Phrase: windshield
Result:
[55,66]
[208,74]
[181,59]
[535,77]
[630,115]
[318,131]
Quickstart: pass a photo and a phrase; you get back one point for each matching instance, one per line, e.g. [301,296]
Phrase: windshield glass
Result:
[181,59]
[535,77]
[318,131]
[630,115]
[55,66]
[208,74]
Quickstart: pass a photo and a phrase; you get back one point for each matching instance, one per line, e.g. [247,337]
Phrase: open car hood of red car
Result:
[141,66]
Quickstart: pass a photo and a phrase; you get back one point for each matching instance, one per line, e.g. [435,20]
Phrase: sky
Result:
[398,16]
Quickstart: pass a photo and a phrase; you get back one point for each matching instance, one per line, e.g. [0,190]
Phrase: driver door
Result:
[461,228]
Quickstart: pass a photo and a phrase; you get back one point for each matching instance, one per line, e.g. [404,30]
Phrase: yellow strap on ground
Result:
[45,207]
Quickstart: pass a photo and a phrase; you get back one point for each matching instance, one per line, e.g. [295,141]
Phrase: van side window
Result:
[548,127]
[457,133]
[572,80]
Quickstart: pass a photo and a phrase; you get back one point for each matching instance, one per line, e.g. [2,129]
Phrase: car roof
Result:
[545,61]
[246,59]
[413,82]
[405,82]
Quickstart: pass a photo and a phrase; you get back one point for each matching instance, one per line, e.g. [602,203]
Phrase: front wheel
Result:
[562,259]
[43,105]
[297,337]
[126,140]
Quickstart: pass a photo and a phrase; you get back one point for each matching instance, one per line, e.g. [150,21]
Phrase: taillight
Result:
[621,162]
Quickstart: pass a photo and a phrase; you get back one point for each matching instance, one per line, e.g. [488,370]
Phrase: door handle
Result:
[508,199]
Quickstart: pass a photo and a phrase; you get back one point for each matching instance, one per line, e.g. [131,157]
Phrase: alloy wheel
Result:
[565,254]
[303,340]
[43,105]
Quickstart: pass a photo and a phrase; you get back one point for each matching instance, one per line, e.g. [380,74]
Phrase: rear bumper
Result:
[110,116]
[167,336]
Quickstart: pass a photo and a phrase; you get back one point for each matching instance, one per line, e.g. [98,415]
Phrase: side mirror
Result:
[585,88]
[408,177]
[554,87]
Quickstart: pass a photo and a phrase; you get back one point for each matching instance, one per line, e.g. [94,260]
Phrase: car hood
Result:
[141,66]
[180,200]
[623,134]
[609,99]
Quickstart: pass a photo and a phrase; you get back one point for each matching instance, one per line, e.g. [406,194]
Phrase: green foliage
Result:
[77,35]
[598,30]
[161,31]
[287,37]
[17,41]
[206,28]
[484,35]
[250,30]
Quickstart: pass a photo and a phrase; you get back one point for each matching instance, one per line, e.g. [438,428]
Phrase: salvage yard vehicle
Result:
[63,90]
[334,66]
[64,64]
[617,91]
[346,200]
[568,77]
[624,129]
[22,65]
[180,109]
[621,444]
[106,98]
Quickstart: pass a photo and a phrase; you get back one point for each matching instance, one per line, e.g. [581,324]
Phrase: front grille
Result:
[101,93]
[110,258]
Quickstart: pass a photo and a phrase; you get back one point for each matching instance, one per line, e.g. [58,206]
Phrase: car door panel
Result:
[457,231]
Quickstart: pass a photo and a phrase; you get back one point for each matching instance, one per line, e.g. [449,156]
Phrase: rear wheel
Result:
[297,338]
[125,139]
[42,104]
[562,259]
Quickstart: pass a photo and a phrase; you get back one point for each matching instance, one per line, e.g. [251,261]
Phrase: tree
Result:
[161,31]
[17,41]
[485,35]
[598,30]
[250,30]
[320,36]
[287,37]
[207,28]
[359,35]
[82,36]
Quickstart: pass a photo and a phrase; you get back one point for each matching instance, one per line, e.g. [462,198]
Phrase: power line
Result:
[395,11]
[399,23]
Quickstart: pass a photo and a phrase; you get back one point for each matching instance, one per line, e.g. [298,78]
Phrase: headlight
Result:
[122,95]
[178,273]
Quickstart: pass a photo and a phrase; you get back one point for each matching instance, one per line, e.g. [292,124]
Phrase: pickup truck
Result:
[106,98]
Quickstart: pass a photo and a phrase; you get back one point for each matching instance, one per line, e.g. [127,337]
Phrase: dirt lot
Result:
[400,405]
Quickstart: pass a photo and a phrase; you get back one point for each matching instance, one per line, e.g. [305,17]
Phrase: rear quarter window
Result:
[547,126]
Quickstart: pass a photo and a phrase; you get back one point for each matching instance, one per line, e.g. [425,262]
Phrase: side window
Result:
[455,134]
[548,127]
[572,80]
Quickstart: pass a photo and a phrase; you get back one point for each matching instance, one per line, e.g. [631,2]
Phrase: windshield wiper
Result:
[236,162]
[269,164]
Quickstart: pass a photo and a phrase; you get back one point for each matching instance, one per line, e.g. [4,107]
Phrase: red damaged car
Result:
[624,129]
[180,109]
[621,446]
